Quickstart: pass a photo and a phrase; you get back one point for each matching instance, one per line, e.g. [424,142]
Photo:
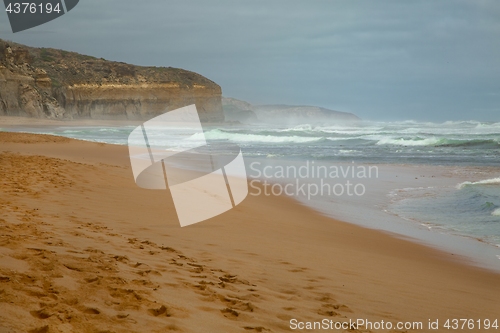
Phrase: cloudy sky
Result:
[383,60]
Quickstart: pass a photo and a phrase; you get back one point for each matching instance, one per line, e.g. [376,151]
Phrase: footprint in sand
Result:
[162,310]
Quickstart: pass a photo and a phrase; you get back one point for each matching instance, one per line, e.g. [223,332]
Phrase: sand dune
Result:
[83,249]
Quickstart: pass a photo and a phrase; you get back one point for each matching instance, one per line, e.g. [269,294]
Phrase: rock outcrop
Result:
[50,83]
[236,110]
[302,114]
[245,112]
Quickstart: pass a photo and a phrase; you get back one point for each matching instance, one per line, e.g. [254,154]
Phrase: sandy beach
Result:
[83,249]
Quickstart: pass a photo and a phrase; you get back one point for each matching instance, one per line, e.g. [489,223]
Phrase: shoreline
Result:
[475,251]
[374,208]
[16,121]
[109,255]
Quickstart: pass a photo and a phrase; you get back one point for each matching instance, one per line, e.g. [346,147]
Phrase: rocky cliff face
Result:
[240,111]
[49,83]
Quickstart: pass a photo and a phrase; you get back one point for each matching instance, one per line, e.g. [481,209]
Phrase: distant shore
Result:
[83,249]
[14,121]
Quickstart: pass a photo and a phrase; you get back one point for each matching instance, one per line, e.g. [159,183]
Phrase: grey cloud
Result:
[430,60]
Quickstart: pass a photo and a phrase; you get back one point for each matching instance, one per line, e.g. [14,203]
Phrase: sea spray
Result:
[492,181]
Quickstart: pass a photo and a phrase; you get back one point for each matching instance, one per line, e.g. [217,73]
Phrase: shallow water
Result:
[472,208]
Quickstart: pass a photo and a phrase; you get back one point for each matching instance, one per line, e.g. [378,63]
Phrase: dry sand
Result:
[83,249]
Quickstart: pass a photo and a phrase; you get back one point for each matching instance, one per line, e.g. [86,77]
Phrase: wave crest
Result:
[437,142]
[218,134]
[493,181]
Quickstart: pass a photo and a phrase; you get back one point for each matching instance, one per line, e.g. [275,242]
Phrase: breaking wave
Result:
[493,181]
[218,134]
[438,142]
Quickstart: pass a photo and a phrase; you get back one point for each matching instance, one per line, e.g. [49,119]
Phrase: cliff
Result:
[236,110]
[302,114]
[245,112]
[50,83]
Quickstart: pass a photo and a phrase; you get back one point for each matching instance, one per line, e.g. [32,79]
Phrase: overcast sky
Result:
[382,60]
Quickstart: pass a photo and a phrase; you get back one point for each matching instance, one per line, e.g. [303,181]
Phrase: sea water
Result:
[469,207]
[472,209]
[450,143]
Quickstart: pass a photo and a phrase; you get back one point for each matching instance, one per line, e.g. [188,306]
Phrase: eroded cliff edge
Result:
[50,83]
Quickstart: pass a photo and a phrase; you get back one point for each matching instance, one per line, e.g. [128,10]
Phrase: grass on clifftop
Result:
[66,68]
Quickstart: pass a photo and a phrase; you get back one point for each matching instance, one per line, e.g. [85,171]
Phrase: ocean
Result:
[462,199]
[450,143]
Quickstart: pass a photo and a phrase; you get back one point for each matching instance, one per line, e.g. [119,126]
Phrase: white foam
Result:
[337,129]
[496,212]
[466,122]
[238,137]
[409,142]
[488,125]
[493,181]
